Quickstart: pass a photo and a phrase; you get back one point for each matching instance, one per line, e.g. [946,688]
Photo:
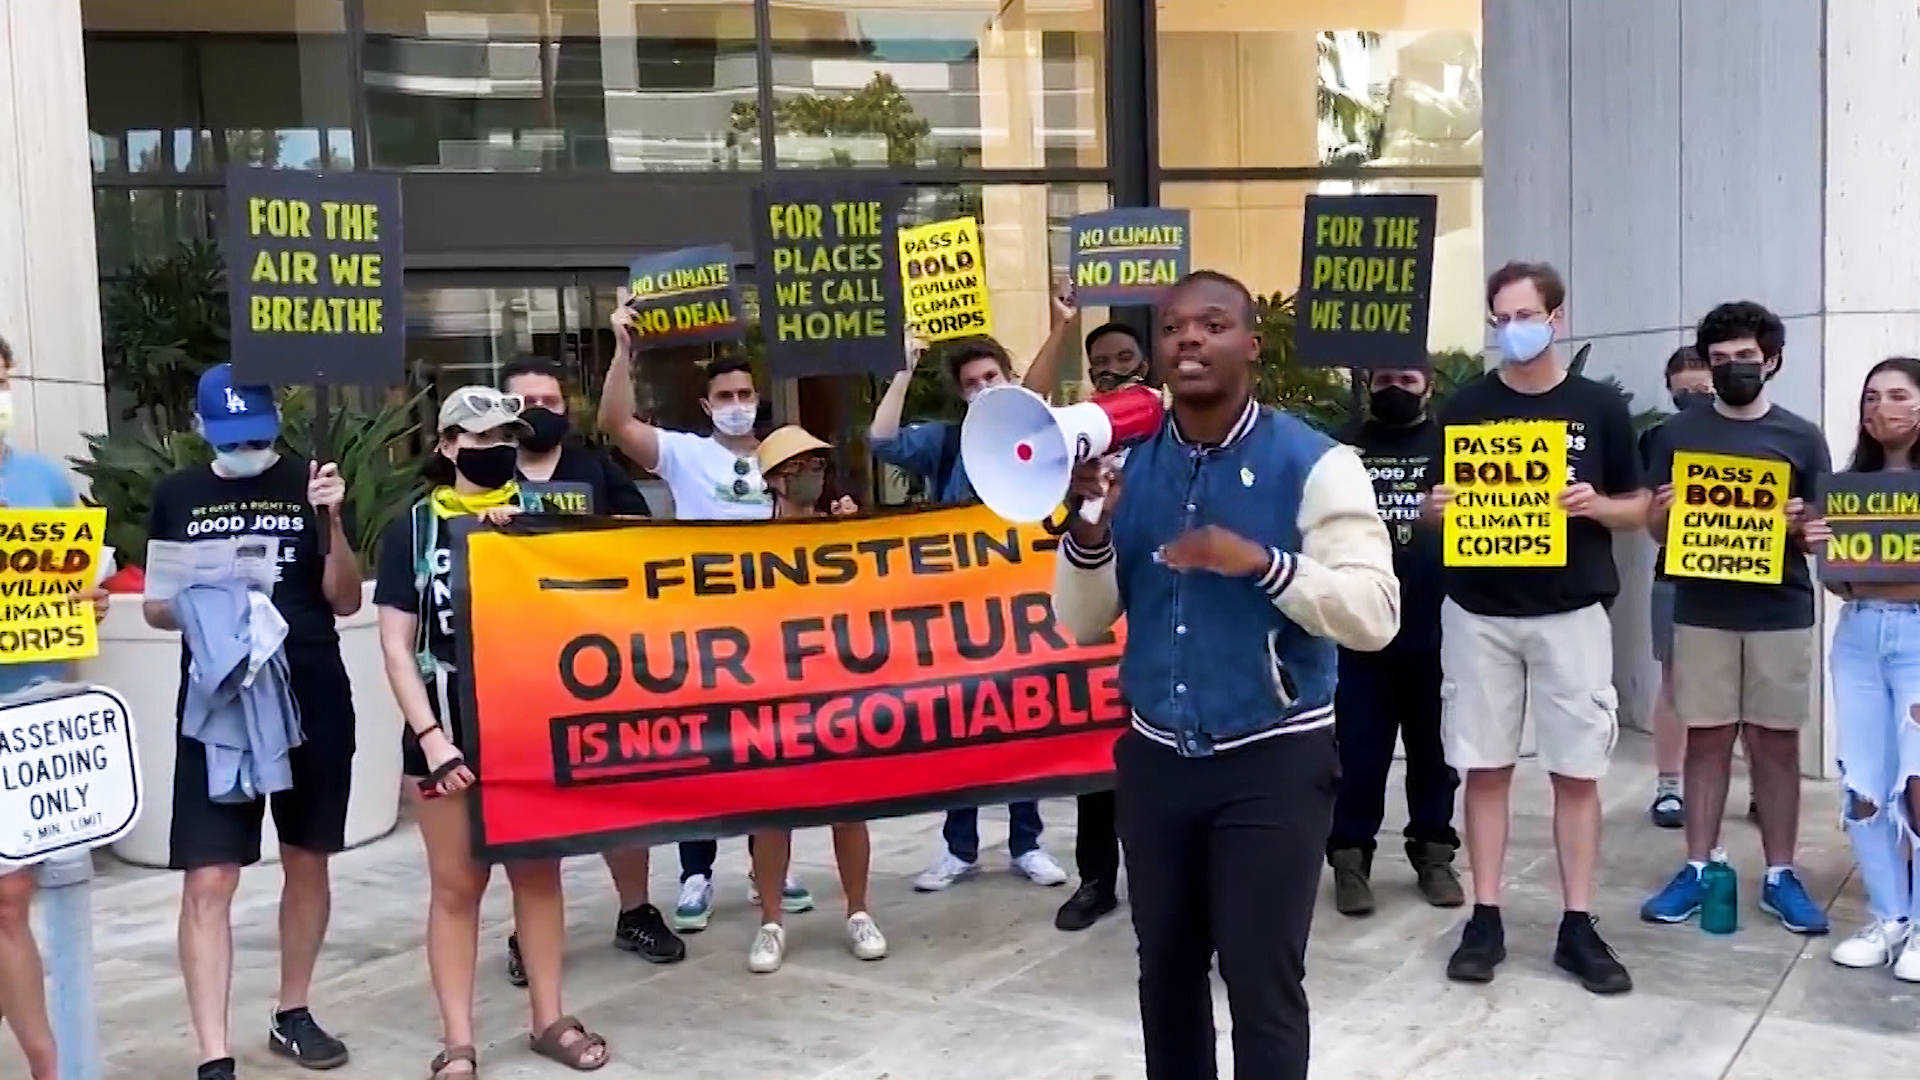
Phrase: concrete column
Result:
[49,282]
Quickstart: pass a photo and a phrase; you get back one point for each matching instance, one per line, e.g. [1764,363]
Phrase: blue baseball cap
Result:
[235,414]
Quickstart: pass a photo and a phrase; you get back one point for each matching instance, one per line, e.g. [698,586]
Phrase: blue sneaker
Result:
[1679,900]
[1784,898]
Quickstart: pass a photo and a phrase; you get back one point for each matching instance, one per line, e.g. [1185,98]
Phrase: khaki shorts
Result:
[1758,677]
[1553,671]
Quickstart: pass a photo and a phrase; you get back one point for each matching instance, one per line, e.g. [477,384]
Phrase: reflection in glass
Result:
[942,83]
[535,85]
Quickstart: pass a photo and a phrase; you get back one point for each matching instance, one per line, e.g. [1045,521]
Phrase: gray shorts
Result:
[1661,614]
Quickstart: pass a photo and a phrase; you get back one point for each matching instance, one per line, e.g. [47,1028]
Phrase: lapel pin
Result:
[1246,477]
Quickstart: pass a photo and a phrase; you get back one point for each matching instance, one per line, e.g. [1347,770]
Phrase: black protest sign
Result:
[685,296]
[1366,278]
[1128,256]
[1875,518]
[829,273]
[314,277]
[556,497]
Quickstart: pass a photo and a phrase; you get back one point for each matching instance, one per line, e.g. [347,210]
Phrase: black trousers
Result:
[1096,844]
[1381,698]
[1224,856]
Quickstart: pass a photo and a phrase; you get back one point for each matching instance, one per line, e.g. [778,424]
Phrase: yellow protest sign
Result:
[944,274]
[47,559]
[1728,521]
[1506,481]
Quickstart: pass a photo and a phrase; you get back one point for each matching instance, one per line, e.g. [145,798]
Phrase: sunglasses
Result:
[742,468]
[257,444]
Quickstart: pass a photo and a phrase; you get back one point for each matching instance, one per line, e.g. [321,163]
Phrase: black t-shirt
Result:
[592,471]
[1403,463]
[1601,451]
[197,504]
[395,586]
[1779,435]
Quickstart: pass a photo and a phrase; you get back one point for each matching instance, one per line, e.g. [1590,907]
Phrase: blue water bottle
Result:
[1720,907]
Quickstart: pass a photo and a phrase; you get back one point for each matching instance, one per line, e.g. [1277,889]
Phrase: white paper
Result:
[106,566]
[172,565]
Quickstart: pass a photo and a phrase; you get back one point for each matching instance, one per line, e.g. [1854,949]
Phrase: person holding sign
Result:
[796,466]
[1875,668]
[1534,643]
[931,450]
[1393,696]
[1729,481]
[711,478]
[1242,546]
[27,480]
[550,457]
[252,490]
[472,472]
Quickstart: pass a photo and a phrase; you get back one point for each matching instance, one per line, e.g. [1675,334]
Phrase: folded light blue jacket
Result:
[239,703]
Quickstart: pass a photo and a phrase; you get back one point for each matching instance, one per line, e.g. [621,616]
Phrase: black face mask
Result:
[1738,383]
[1108,381]
[1394,405]
[549,428]
[488,467]
[1693,399]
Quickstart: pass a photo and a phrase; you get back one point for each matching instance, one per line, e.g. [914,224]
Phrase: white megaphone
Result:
[1019,451]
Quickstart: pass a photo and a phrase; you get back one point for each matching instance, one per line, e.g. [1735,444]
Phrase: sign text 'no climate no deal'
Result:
[1128,256]
[315,277]
[684,296]
[1875,518]
[1366,279]
[635,682]
[829,275]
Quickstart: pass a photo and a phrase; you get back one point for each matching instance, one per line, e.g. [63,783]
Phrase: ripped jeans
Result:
[1876,692]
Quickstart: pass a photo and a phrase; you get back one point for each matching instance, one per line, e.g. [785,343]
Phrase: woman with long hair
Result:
[1876,693]
[794,465]
[472,473]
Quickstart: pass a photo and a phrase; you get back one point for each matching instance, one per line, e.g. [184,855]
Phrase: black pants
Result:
[1381,697]
[1096,844]
[1224,855]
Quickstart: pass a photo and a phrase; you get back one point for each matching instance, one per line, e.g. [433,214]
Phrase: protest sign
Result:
[829,272]
[640,683]
[1728,521]
[47,559]
[1128,256]
[1366,278]
[556,497]
[1875,518]
[314,277]
[944,272]
[1506,480]
[69,777]
[685,296]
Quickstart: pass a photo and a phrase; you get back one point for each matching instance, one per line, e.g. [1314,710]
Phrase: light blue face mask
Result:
[1522,341]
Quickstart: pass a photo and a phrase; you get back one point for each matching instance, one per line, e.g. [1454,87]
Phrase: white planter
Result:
[143,664]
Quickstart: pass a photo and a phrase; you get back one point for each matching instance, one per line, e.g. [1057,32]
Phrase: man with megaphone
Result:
[1245,548]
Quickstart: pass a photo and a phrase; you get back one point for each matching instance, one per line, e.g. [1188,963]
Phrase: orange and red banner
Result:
[641,683]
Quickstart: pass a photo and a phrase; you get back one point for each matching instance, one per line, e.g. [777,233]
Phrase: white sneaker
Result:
[946,870]
[1874,946]
[769,949]
[867,940]
[695,906]
[1907,968]
[1038,867]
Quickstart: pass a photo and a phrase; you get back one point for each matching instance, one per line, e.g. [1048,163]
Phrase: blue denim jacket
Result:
[1212,662]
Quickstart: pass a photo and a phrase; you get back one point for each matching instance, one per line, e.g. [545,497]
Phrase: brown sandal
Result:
[446,1059]
[550,1044]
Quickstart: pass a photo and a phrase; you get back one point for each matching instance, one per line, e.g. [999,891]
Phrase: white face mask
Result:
[6,412]
[734,420]
[244,464]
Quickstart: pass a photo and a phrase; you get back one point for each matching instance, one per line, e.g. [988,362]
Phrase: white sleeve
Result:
[1340,584]
[1086,590]
[677,450]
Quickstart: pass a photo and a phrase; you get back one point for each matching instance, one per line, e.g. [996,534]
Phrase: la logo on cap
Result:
[235,403]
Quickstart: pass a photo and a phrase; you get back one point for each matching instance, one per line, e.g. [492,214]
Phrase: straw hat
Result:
[785,443]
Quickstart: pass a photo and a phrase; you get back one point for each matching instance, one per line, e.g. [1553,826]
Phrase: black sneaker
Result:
[217,1069]
[1586,956]
[1669,810]
[516,967]
[644,931]
[1483,945]
[296,1035]
[1085,907]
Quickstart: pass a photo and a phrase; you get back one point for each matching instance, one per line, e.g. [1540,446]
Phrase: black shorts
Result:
[313,815]
[451,717]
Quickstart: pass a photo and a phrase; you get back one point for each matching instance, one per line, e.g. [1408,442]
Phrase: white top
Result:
[710,482]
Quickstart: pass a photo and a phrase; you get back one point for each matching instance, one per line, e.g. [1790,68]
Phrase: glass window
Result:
[545,85]
[1254,83]
[1252,230]
[995,84]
